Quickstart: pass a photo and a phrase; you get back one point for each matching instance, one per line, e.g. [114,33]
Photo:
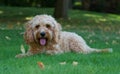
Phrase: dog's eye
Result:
[48,26]
[37,26]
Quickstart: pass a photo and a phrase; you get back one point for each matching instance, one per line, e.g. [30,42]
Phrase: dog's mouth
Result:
[43,41]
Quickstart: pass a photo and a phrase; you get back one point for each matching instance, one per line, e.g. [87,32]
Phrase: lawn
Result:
[100,30]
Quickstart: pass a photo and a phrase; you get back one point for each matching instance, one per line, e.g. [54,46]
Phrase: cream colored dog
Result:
[44,34]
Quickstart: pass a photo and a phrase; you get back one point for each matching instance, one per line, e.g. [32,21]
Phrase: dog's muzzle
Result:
[42,34]
[43,40]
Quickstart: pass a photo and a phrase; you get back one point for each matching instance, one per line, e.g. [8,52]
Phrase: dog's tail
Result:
[107,50]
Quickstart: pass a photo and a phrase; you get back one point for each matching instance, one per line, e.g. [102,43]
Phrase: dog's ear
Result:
[28,35]
[57,30]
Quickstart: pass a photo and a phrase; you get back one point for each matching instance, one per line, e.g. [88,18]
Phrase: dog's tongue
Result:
[42,41]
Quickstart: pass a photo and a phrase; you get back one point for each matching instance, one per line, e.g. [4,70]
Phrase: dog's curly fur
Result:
[44,34]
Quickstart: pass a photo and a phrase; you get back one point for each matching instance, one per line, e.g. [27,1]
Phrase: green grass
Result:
[100,30]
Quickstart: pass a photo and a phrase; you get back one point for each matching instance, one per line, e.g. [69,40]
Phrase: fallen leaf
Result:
[75,63]
[91,41]
[62,63]
[114,42]
[22,49]
[18,23]
[106,43]
[28,18]
[2,28]
[67,26]
[22,33]
[41,65]
[10,26]
[1,12]
[7,37]
[118,38]
[102,19]
[107,28]
[119,32]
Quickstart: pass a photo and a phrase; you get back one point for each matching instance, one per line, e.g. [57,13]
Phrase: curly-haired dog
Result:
[43,34]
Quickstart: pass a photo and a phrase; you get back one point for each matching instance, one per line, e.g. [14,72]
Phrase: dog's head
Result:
[42,29]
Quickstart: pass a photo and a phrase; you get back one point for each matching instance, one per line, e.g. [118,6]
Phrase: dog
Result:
[44,35]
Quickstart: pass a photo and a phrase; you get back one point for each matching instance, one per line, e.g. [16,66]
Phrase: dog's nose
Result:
[42,34]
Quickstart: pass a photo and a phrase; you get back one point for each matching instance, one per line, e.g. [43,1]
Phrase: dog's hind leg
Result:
[78,44]
[106,50]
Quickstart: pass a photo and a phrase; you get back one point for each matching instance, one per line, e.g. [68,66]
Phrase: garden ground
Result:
[100,30]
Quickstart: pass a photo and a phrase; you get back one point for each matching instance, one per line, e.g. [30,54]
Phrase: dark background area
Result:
[109,6]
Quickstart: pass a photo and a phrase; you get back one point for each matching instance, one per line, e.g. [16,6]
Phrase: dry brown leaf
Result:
[41,65]
[22,49]
[107,28]
[10,26]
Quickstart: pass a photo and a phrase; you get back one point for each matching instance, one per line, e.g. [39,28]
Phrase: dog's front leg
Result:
[30,52]
[23,55]
[54,50]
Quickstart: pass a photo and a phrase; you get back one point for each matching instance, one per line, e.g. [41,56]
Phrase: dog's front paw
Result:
[49,52]
[20,55]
